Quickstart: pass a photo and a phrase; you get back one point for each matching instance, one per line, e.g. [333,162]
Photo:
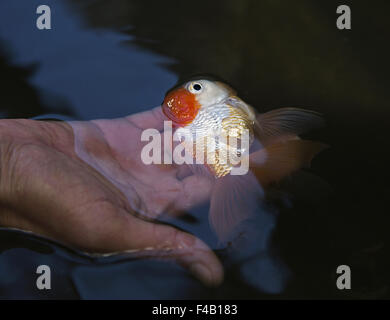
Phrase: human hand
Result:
[84,184]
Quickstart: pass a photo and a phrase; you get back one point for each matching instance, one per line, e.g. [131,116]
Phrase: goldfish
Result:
[212,115]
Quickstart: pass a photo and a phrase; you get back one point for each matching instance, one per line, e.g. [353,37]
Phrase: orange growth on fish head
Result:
[181,106]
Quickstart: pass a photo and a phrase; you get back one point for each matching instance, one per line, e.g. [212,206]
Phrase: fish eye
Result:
[195,87]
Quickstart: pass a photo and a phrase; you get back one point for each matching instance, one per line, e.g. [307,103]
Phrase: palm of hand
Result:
[81,187]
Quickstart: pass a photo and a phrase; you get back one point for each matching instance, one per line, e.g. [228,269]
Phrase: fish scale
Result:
[212,122]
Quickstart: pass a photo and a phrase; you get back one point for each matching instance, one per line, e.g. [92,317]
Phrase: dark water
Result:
[106,59]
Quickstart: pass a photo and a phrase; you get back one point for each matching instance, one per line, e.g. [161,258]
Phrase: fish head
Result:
[182,104]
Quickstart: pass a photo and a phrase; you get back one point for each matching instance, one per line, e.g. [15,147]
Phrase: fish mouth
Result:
[176,121]
[180,106]
[165,110]
[168,113]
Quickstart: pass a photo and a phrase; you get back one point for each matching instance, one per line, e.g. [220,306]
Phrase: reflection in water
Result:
[87,70]
[19,98]
[78,275]
[276,54]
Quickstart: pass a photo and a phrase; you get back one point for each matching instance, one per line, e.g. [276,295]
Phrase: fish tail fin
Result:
[235,198]
[277,161]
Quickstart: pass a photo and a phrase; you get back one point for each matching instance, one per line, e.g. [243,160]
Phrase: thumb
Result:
[165,242]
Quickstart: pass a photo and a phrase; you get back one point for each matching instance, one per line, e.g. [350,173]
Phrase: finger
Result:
[148,119]
[170,243]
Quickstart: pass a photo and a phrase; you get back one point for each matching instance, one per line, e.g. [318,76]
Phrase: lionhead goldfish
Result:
[209,110]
